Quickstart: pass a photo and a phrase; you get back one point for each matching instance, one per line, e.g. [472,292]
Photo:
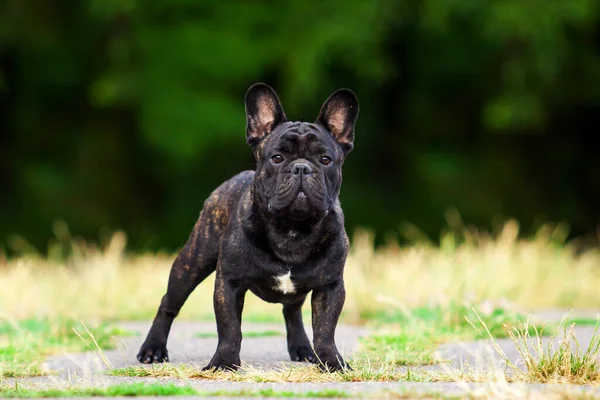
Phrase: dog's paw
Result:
[153,354]
[332,363]
[223,363]
[302,353]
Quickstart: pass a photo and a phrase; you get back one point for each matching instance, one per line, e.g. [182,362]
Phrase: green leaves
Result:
[98,88]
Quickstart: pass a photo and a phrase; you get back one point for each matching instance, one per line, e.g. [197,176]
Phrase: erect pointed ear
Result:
[338,114]
[263,112]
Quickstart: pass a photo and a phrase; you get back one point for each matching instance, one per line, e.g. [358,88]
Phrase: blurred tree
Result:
[127,113]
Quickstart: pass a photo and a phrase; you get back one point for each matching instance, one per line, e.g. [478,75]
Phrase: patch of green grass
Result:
[124,389]
[206,335]
[269,315]
[407,347]
[133,372]
[452,319]
[25,344]
[327,393]
[412,337]
[158,389]
[250,334]
[584,321]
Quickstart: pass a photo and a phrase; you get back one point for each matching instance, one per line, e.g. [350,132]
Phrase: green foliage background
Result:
[127,113]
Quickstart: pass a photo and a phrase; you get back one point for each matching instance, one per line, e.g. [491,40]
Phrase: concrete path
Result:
[271,352]
[185,348]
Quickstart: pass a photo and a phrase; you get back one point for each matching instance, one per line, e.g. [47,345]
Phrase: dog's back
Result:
[214,218]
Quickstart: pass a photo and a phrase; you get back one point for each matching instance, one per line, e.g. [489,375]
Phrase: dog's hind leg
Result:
[196,261]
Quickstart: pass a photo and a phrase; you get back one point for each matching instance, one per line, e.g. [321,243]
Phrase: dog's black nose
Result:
[301,167]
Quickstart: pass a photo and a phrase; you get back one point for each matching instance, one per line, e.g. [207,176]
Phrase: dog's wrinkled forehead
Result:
[299,134]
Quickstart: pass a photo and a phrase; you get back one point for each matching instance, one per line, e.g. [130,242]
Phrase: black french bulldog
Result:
[277,231]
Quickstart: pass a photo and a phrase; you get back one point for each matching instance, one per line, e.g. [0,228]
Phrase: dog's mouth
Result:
[298,198]
[294,204]
[300,204]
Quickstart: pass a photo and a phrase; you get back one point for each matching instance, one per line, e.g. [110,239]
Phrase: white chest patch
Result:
[285,284]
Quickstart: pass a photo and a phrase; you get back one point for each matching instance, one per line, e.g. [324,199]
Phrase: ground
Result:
[412,314]
[191,345]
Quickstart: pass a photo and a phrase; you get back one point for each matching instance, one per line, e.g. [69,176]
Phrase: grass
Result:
[452,319]
[387,356]
[125,389]
[406,339]
[107,283]
[560,360]
[584,321]
[417,297]
[25,344]
[412,337]
[362,371]
[246,335]
[169,389]
[160,389]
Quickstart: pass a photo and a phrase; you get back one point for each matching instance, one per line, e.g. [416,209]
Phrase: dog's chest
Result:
[293,247]
[287,284]
[295,281]
[284,283]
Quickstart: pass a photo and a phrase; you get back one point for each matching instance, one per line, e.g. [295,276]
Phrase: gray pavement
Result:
[185,348]
[271,353]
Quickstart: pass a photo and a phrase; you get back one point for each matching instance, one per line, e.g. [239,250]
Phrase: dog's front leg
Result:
[229,303]
[327,304]
[298,344]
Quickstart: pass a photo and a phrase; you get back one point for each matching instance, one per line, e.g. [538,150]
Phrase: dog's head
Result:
[299,164]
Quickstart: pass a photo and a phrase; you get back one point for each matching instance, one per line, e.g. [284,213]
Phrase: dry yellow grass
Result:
[108,283]
[532,273]
[285,374]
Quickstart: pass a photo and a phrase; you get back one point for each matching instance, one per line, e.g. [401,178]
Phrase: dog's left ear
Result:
[263,112]
[338,114]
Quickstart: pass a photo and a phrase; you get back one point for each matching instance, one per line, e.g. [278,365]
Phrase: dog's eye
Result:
[277,158]
[325,160]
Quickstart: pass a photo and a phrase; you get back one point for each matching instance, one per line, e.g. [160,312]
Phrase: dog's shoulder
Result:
[231,190]
[221,204]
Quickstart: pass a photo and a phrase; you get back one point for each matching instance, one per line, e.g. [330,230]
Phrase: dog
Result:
[277,231]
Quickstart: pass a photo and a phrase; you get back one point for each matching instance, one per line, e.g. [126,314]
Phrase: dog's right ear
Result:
[263,112]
